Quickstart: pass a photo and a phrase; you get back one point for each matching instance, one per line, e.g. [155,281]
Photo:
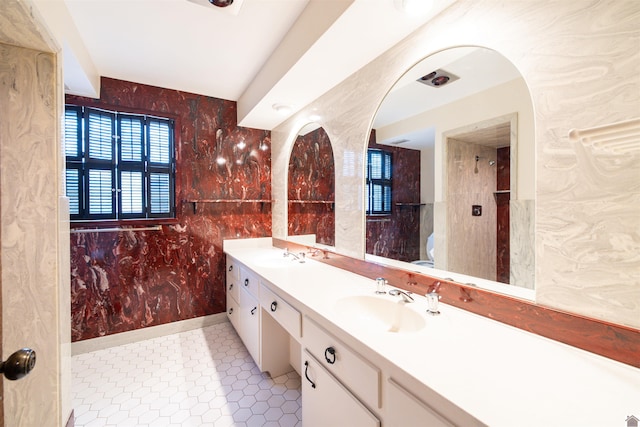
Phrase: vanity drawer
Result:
[249,281]
[354,371]
[287,316]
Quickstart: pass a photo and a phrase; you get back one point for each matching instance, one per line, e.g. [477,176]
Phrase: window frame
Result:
[83,163]
[385,181]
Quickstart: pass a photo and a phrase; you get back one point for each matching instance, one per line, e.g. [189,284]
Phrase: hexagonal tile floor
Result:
[203,377]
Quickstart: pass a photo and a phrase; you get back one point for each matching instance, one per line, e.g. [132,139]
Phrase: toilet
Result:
[429,261]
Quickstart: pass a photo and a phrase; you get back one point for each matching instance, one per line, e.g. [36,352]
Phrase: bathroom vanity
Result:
[369,360]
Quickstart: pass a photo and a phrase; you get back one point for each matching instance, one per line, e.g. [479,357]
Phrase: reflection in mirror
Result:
[459,125]
[311,186]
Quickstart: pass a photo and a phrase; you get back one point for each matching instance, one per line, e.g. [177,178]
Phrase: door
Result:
[34,268]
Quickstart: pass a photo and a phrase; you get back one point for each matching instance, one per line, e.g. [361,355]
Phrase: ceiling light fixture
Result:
[413,7]
[221,3]
[282,108]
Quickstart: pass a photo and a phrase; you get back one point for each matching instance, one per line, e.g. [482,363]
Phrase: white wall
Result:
[580,61]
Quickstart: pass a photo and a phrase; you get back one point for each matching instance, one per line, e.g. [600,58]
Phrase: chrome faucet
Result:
[406,296]
[300,257]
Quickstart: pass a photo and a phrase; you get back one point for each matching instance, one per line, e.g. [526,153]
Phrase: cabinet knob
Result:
[231,310]
[230,286]
[246,282]
[274,305]
[231,268]
[330,355]
[253,310]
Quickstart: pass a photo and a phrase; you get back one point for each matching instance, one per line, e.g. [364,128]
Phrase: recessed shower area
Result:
[478,177]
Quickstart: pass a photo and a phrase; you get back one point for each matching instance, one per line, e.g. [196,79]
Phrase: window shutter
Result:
[131,196]
[100,192]
[131,138]
[160,194]
[100,135]
[159,142]
[73,190]
[73,132]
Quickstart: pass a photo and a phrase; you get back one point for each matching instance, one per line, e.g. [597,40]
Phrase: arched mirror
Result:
[311,187]
[457,136]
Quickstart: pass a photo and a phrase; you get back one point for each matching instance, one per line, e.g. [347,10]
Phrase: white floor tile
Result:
[197,378]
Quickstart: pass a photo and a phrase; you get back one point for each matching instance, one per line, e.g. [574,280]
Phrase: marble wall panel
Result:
[311,187]
[397,236]
[581,62]
[127,280]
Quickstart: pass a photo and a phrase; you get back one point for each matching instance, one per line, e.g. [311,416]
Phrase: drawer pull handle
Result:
[231,268]
[274,305]
[253,310]
[231,310]
[330,351]
[231,286]
[306,375]
[246,282]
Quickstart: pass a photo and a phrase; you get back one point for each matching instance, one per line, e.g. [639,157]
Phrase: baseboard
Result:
[93,344]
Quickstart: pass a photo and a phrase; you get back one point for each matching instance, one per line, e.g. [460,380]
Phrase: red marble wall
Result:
[503,170]
[311,187]
[397,236]
[126,280]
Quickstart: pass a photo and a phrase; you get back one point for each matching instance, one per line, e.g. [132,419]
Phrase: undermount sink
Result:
[379,313]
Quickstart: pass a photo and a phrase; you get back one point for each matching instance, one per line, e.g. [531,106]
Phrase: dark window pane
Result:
[131,194]
[160,193]
[159,141]
[100,136]
[100,192]
[131,142]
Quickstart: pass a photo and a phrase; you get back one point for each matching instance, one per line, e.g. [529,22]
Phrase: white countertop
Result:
[501,375]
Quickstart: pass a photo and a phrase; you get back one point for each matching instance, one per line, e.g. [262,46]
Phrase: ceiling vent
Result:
[438,78]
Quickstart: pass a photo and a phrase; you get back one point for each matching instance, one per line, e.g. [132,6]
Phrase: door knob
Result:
[19,364]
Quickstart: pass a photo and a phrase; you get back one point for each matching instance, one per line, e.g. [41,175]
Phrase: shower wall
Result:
[471,240]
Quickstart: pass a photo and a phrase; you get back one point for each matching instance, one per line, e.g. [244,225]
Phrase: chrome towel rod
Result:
[116,229]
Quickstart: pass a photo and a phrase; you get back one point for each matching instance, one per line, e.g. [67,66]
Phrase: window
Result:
[119,166]
[378,197]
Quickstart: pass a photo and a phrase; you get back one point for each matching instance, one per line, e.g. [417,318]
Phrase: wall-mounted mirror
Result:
[311,187]
[459,127]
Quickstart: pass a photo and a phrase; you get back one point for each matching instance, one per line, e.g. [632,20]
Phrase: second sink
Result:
[379,313]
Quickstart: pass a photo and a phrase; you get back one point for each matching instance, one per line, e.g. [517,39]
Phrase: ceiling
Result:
[257,52]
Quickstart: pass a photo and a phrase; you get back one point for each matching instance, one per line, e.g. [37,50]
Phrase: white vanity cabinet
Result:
[243,309]
[263,320]
[326,402]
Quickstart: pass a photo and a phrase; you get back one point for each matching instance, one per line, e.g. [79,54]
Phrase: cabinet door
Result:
[407,410]
[326,402]
[249,326]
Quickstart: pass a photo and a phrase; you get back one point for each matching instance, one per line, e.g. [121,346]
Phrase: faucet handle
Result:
[433,299]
